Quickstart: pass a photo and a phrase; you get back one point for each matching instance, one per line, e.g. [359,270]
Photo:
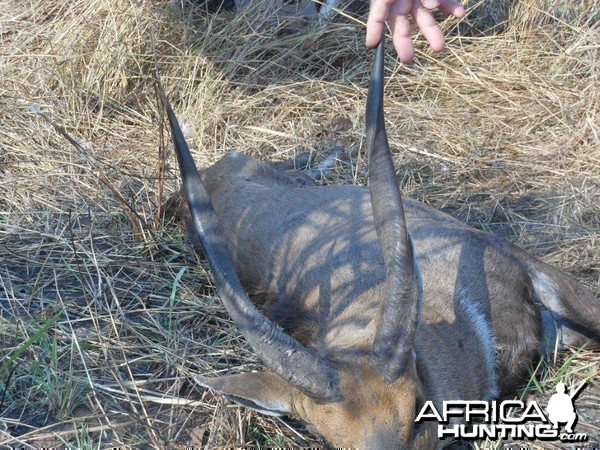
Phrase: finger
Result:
[428,26]
[452,8]
[378,14]
[401,30]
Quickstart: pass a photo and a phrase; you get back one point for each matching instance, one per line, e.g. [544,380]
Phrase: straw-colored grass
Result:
[104,311]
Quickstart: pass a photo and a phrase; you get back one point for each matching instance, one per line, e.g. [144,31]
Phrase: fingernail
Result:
[430,4]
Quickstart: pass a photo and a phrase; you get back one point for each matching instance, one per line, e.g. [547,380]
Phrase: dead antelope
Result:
[384,303]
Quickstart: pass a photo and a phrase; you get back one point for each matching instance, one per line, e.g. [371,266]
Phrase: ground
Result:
[105,314]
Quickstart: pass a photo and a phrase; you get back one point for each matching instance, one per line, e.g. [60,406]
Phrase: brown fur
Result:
[310,256]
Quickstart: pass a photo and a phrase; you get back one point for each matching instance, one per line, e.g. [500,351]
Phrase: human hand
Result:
[396,13]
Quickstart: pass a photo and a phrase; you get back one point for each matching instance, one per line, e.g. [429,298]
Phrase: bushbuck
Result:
[370,304]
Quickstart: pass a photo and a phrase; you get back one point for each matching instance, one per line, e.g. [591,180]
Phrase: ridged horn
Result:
[398,316]
[289,359]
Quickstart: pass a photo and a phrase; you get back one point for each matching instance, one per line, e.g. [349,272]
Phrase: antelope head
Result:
[367,397]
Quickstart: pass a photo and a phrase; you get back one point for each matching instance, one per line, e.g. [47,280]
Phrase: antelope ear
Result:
[264,392]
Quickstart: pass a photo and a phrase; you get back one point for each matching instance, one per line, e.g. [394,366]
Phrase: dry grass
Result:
[104,314]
